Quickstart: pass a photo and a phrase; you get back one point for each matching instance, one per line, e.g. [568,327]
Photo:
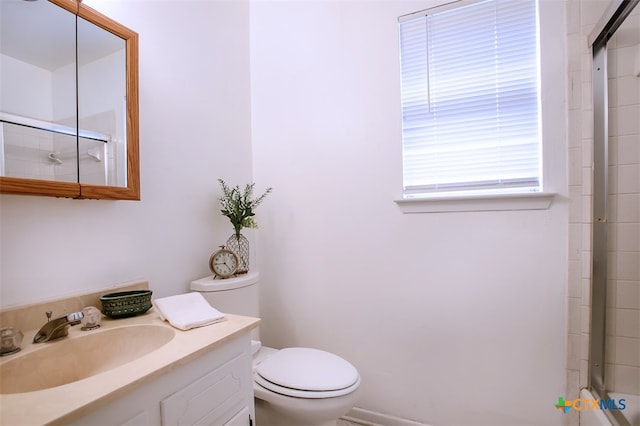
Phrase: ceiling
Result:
[43,34]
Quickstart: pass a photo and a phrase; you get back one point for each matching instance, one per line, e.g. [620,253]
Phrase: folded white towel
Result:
[188,310]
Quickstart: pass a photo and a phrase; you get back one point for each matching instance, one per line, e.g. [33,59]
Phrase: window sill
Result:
[477,203]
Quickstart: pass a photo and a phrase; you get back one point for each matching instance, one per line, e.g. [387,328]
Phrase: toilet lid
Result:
[307,370]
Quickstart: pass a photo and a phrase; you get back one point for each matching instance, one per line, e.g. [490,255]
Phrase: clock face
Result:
[223,263]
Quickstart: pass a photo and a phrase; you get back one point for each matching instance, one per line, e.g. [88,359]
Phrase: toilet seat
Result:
[307,373]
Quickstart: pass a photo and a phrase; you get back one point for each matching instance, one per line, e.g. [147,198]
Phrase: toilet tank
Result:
[237,295]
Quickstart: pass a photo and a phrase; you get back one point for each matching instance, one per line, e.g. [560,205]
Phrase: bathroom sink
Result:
[75,358]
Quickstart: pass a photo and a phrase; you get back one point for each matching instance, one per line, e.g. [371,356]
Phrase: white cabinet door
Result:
[243,418]
[214,399]
[141,419]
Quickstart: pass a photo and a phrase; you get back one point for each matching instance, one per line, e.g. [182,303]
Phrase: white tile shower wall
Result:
[579,194]
[25,152]
[578,213]
[92,170]
[65,145]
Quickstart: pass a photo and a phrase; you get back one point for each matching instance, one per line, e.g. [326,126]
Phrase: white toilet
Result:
[292,386]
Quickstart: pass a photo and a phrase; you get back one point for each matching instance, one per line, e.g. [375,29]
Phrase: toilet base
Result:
[266,415]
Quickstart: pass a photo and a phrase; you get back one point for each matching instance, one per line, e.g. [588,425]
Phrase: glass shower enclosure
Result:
[614,347]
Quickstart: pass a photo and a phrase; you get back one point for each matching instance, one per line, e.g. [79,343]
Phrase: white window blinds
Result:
[470,99]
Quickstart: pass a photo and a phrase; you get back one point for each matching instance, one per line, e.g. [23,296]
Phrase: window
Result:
[471,99]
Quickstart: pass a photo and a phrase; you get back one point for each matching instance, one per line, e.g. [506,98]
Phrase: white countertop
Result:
[63,404]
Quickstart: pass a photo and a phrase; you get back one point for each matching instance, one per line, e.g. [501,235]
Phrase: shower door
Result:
[615,330]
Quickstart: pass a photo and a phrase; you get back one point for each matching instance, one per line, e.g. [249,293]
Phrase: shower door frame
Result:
[611,20]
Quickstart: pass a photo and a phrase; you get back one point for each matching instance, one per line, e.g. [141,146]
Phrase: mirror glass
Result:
[37,91]
[102,94]
[68,102]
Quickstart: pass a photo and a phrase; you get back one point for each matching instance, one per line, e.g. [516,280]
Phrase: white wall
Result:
[452,318]
[18,98]
[194,128]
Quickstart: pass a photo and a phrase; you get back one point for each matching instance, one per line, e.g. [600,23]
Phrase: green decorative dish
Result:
[126,303]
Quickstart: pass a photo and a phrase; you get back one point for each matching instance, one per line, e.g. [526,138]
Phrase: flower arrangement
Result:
[238,205]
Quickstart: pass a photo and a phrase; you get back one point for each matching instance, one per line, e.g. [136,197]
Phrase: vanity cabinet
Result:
[214,388]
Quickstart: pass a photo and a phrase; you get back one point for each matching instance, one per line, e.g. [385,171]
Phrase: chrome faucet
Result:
[57,328]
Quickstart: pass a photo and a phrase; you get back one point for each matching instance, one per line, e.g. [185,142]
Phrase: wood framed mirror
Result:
[82,139]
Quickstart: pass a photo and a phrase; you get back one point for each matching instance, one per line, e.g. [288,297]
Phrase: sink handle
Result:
[11,339]
[75,317]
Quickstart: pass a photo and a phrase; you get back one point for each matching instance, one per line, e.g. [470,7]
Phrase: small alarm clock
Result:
[223,263]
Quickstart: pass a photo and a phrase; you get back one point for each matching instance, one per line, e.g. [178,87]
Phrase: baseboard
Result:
[371,418]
